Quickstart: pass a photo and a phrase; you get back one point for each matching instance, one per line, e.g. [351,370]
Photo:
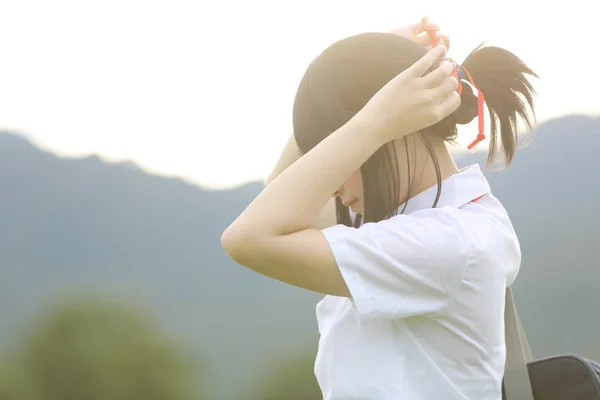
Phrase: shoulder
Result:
[434,226]
[425,232]
[405,265]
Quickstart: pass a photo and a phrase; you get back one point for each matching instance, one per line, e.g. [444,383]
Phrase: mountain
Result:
[77,225]
[71,226]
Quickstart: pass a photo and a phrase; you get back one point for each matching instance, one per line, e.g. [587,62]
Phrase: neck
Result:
[420,166]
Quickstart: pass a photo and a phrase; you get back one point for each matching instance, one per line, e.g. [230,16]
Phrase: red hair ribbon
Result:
[456,73]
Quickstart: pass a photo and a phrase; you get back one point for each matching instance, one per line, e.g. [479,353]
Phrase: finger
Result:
[425,21]
[423,24]
[449,105]
[431,26]
[414,28]
[445,39]
[420,67]
[425,40]
[438,75]
[427,25]
[445,88]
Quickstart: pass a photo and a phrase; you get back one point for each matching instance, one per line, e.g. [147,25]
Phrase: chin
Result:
[357,211]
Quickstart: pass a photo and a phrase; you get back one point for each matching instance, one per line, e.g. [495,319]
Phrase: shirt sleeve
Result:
[404,266]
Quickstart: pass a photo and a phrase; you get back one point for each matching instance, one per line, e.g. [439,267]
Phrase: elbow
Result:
[230,242]
[236,244]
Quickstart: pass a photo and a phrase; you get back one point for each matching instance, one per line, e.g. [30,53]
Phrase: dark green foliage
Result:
[97,351]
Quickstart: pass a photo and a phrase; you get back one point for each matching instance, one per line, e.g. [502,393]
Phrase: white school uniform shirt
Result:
[426,316]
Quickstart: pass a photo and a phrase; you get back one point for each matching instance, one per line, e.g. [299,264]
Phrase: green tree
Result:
[292,378]
[98,351]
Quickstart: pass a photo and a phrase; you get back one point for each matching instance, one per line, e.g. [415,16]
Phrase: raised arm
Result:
[290,154]
[273,235]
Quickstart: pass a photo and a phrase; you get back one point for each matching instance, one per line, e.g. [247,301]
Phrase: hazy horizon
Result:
[204,91]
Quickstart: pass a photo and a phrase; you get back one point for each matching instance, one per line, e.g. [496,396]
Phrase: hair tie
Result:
[460,73]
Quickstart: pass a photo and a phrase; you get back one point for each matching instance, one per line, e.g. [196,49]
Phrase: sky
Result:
[203,90]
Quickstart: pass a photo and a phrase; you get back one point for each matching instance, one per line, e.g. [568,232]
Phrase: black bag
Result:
[564,377]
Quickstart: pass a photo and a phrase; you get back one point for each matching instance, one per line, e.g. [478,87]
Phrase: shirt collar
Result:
[457,190]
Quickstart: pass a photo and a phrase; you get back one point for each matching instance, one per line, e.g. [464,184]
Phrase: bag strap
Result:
[517,385]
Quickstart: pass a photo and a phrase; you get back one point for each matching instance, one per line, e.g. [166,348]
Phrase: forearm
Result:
[292,201]
[290,154]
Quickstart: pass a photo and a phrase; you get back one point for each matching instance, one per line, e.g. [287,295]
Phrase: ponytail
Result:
[502,78]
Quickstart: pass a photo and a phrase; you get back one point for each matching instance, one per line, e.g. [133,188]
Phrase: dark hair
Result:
[341,80]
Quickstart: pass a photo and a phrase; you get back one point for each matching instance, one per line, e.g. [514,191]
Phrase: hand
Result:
[412,101]
[412,32]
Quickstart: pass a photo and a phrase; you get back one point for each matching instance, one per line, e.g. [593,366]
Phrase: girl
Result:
[413,255]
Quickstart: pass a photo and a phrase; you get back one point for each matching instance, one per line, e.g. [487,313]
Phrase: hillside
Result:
[76,225]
